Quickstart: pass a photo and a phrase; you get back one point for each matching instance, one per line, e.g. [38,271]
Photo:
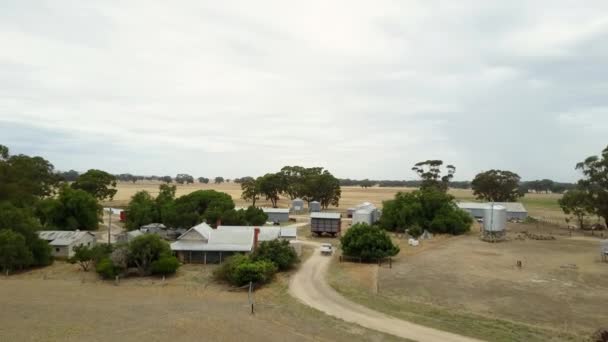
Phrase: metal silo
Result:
[314,207]
[495,219]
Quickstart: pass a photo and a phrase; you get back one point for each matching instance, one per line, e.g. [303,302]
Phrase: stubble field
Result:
[539,205]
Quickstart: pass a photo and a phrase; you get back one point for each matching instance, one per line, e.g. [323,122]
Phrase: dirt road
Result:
[310,287]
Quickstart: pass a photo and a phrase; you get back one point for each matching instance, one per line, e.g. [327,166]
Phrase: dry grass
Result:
[471,287]
[541,205]
[61,303]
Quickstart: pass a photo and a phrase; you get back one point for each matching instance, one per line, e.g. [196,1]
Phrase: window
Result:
[57,249]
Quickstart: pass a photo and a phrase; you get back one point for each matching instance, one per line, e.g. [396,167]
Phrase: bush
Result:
[146,249]
[278,252]
[106,269]
[258,272]
[167,264]
[429,209]
[368,243]
[240,269]
[415,231]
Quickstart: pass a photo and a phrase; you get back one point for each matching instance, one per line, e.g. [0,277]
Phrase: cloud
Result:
[366,90]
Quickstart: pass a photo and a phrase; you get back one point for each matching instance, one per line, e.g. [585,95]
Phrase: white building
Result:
[63,242]
[515,210]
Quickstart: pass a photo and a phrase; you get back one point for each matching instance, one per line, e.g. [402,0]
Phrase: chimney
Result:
[218,222]
[256,234]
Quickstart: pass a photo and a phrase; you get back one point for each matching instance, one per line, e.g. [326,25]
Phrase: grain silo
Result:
[314,207]
[297,205]
[494,222]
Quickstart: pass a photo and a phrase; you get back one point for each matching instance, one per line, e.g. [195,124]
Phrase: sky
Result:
[363,88]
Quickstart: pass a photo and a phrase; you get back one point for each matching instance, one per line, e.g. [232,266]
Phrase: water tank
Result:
[314,207]
[495,218]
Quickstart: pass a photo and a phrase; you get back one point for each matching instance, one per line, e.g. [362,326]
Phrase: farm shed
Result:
[325,223]
[314,207]
[203,244]
[63,242]
[126,237]
[277,214]
[515,210]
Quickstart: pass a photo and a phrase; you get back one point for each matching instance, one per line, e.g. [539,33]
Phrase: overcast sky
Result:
[365,89]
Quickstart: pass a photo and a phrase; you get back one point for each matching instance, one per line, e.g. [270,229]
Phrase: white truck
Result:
[327,249]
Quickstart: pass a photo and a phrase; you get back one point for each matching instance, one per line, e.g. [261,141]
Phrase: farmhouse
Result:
[63,242]
[515,210]
[277,214]
[203,244]
[325,223]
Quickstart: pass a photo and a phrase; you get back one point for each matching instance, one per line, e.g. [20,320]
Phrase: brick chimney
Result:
[256,235]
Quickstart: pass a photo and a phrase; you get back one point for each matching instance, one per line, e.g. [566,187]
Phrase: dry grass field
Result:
[539,205]
[61,303]
[464,285]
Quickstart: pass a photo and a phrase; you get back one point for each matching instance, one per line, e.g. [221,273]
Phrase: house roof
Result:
[63,237]
[266,233]
[221,239]
[335,216]
[202,228]
[513,207]
[154,226]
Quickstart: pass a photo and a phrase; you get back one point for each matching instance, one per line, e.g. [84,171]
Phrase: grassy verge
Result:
[463,323]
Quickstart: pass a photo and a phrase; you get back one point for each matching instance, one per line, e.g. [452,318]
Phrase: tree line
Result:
[188,210]
[180,178]
[309,184]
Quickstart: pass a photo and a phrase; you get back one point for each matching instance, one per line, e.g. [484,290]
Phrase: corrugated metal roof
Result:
[289,232]
[198,246]
[276,210]
[266,233]
[513,207]
[62,237]
[334,216]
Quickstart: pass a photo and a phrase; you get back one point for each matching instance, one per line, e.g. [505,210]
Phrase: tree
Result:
[240,270]
[146,249]
[219,180]
[368,243]
[73,209]
[69,176]
[98,183]
[595,182]
[197,206]
[142,210]
[165,265]
[24,180]
[23,222]
[255,216]
[577,203]
[271,186]
[106,268]
[203,180]
[279,252]
[251,190]
[165,203]
[366,183]
[14,253]
[430,209]
[497,186]
[430,173]
[184,178]
[166,179]
[86,256]
[323,187]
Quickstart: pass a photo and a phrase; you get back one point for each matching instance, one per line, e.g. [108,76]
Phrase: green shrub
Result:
[165,265]
[258,272]
[415,231]
[278,252]
[368,243]
[106,269]
[240,269]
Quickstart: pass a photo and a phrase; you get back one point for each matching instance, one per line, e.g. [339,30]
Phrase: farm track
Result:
[309,285]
